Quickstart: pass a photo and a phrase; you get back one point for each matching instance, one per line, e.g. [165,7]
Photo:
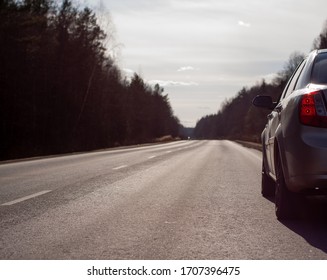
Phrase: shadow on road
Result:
[312,223]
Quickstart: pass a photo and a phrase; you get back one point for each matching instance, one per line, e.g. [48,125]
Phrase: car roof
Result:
[322,51]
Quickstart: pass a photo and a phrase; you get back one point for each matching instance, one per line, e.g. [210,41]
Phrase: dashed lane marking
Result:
[24,198]
[119,167]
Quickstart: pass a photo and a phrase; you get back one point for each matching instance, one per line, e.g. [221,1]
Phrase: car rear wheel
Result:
[267,184]
[285,201]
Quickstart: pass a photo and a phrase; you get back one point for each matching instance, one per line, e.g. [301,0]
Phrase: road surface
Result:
[181,200]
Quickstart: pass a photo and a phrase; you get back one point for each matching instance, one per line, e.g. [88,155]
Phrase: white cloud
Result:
[128,71]
[185,68]
[172,83]
[244,24]
[268,78]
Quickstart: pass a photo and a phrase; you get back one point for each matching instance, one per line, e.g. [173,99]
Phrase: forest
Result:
[60,90]
[237,119]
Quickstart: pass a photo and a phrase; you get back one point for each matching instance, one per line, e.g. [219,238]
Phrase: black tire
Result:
[267,184]
[285,201]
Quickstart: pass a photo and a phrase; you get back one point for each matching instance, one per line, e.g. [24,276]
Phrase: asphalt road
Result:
[182,200]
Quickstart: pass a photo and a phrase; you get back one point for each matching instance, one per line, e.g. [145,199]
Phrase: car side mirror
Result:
[264,101]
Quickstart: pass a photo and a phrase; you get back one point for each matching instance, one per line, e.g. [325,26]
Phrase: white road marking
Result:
[119,167]
[151,157]
[168,152]
[24,198]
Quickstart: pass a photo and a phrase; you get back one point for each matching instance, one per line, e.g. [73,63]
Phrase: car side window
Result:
[294,79]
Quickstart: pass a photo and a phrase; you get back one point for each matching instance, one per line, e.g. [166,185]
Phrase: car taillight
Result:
[313,110]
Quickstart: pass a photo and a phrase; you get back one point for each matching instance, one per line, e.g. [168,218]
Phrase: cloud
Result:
[244,24]
[269,77]
[128,71]
[185,68]
[172,83]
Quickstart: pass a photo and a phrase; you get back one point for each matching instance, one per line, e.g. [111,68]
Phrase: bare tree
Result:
[321,41]
[289,67]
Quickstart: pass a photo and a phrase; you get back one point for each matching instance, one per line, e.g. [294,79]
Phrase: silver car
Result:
[295,138]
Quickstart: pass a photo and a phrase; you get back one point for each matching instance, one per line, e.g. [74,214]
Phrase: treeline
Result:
[61,92]
[238,119]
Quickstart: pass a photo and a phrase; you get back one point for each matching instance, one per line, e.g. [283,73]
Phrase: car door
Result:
[274,119]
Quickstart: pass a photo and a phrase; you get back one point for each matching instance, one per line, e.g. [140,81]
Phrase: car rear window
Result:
[319,72]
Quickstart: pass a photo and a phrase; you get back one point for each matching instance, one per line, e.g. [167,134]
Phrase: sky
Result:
[204,52]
